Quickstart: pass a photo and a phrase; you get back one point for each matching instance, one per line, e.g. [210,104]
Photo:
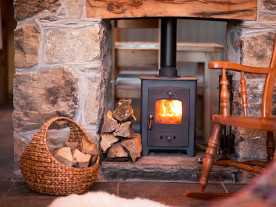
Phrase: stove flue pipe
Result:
[168,47]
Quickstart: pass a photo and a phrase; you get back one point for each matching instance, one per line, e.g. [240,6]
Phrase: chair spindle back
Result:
[269,86]
[267,92]
[244,94]
[224,94]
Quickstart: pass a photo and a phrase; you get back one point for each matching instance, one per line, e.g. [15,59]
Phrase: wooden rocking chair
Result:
[265,122]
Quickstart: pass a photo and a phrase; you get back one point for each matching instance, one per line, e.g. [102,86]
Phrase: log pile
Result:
[77,154]
[118,140]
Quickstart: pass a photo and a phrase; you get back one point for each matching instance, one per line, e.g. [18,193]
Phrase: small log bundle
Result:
[118,140]
[79,155]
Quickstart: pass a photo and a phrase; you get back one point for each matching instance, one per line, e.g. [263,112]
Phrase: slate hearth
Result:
[164,167]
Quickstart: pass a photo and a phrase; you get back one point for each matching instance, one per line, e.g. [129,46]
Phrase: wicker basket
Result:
[44,174]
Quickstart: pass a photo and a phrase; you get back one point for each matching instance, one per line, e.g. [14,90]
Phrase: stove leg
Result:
[190,152]
[145,151]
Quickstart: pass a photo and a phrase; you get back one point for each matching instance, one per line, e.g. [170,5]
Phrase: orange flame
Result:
[168,111]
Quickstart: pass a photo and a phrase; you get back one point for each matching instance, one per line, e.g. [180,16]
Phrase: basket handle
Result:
[75,128]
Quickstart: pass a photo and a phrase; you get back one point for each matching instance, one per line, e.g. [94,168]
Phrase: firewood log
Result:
[116,151]
[110,124]
[64,155]
[93,159]
[88,147]
[82,159]
[133,146]
[124,130]
[107,141]
[72,145]
[124,111]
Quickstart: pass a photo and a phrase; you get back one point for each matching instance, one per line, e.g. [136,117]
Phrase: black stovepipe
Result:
[168,47]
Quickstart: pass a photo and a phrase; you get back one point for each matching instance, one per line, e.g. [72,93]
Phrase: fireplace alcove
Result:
[65,43]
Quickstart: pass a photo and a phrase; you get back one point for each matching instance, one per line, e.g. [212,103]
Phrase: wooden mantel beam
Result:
[217,9]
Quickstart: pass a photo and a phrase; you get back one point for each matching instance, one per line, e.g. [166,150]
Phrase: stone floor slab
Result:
[234,187]
[169,193]
[109,187]
[23,202]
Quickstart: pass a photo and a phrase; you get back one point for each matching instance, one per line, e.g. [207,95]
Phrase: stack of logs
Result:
[77,154]
[118,140]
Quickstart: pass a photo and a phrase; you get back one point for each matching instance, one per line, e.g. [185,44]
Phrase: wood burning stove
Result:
[168,114]
[168,101]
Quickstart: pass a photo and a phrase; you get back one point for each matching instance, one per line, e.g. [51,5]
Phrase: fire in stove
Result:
[168,111]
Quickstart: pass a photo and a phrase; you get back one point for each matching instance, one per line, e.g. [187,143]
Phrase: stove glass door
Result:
[168,111]
[168,116]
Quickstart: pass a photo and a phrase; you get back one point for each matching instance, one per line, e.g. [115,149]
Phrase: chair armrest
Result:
[238,67]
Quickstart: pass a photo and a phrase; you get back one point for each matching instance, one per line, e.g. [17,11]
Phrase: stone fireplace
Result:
[63,67]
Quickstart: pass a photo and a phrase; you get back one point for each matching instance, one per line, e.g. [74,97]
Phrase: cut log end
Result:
[124,130]
[64,155]
[124,111]
[110,124]
[109,114]
[116,151]
[88,147]
[72,145]
[82,159]
[133,146]
[107,141]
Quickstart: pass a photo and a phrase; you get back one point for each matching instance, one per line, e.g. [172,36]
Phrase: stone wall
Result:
[63,62]
[251,43]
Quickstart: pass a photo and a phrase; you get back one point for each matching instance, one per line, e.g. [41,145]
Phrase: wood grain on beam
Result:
[218,9]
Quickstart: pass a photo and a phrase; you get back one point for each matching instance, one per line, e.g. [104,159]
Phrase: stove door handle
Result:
[150,121]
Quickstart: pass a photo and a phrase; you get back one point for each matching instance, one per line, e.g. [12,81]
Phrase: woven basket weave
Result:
[44,174]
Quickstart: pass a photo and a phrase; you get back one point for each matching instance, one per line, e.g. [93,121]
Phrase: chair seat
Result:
[252,122]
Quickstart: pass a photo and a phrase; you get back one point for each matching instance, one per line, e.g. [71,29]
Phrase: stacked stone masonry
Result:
[63,62]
